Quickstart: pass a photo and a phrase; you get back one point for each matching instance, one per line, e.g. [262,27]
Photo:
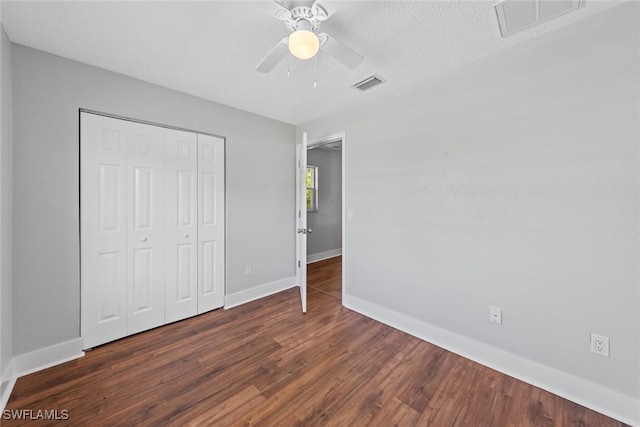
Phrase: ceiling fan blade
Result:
[339,51]
[273,57]
[283,13]
[319,12]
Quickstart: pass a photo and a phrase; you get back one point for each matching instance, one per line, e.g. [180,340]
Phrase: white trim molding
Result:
[257,292]
[8,380]
[620,406]
[47,357]
[35,361]
[320,256]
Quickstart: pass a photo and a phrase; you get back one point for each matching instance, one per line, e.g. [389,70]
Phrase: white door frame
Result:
[325,140]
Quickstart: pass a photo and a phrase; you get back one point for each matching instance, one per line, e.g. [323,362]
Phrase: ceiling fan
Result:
[303,20]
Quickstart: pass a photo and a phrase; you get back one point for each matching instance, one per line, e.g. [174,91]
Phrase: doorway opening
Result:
[325,216]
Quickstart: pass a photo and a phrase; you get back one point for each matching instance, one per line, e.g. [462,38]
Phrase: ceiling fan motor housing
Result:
[306,18]
[302,24]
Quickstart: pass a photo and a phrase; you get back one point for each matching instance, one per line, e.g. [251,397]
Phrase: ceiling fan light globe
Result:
[303,44]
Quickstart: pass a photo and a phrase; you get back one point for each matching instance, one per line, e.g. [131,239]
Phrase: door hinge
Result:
[299,214]
[298,264]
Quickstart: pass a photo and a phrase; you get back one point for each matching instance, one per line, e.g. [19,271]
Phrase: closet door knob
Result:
[144,239]
[185,235]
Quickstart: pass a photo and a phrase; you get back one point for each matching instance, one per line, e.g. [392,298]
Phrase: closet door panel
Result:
[103,229]
[211,227]
[181,225]
[152,226]
[145,237]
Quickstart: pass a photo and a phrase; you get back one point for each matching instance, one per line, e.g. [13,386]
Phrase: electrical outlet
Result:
[600,345]
[248,270]
[495,315]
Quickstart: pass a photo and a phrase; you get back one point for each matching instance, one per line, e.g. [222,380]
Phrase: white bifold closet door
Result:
[181,224]
[145,227]
[210,222]
[103,229]
[152,226]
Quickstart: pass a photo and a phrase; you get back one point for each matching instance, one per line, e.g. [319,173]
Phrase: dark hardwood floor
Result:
[266,363]
[326,276]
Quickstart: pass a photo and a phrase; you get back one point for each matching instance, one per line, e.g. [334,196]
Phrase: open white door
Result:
[301,220]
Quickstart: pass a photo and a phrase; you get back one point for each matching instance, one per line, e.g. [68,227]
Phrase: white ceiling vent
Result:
[369,82]
[516,15]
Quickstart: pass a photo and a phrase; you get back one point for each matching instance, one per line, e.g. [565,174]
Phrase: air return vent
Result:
[517,15]
[369,82]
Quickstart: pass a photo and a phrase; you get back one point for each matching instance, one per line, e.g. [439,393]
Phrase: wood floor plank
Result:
[265,363]
[326,276]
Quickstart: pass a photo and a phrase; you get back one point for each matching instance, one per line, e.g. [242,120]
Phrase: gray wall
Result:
[326,223]
[509,181]
[6,186]
[48,91]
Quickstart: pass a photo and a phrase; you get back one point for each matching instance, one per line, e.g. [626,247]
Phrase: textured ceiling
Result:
[210,48]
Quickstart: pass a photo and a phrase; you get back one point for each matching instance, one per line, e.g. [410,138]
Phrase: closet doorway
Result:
[152,226]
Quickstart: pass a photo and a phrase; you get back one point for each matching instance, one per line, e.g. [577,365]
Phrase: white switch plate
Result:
[349,213]
[495,315]
[248,270]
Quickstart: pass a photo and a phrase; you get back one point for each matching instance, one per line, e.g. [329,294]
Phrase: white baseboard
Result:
[35,361]
[8,380]
[261,291]
[323,255]
[47,357]
[620,406]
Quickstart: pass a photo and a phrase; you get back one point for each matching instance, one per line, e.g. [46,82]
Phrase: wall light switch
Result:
[349,213]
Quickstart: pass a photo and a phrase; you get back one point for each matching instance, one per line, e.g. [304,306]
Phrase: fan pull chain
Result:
[315,73]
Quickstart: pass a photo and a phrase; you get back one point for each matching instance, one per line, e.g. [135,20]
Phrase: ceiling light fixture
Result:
[305,41]
[303,44]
